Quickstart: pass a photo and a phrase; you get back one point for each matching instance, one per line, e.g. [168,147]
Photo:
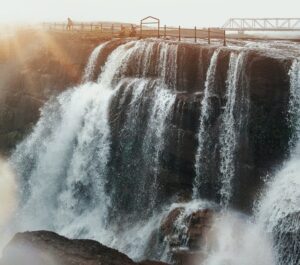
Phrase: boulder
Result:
[48,248]
[186,233]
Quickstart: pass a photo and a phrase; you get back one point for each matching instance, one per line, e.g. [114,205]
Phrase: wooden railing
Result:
[112,29]
[119,30]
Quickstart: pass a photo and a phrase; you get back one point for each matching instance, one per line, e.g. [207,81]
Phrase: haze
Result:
[171,12]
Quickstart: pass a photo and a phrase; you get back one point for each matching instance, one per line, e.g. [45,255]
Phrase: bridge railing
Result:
[262,24]
[120,30]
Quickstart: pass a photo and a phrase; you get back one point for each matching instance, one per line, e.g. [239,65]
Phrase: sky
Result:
[200,13]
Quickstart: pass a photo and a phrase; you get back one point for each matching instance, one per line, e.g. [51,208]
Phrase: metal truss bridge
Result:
[262,24]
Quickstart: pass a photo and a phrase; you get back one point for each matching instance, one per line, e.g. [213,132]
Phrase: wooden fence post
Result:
[141,30]
[179,33]
[209,36]
[165,31]
[224,38]
[112,30]
[101,28]
[91,27]
[195,34]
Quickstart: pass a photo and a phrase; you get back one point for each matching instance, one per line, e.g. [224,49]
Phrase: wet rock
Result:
[187,257]
[150,262]
[168,224]
[186,233]
[48,248]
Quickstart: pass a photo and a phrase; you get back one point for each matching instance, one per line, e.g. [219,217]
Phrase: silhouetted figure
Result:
[70,24]
[132,31]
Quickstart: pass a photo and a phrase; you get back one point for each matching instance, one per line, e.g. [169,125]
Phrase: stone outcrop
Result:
[186,234]
[48,248]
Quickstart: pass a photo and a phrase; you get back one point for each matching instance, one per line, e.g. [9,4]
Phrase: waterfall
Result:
[141,122]
[67,154]
[154,138]
[91,64]
[294,103]
[99,163]
[204,119]
[228,134]
[68,173]
[63,162]
[279,208]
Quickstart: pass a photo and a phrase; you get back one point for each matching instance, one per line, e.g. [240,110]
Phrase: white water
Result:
[154,138]
[204,117]
[64,160]
[90,67]
[63,163]
[168,57]
[282,196]
[68,152]
[236,240]
[228,134]
[61,158]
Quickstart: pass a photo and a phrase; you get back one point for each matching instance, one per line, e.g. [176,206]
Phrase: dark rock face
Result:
[186,240]
[264,138]
[264,133]
[48,248]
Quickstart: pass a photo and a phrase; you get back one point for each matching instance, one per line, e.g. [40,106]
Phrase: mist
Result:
[8,198]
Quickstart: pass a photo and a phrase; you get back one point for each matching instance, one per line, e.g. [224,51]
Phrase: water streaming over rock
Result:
[279,208]
[64,162]
[203,123]
[228,134]
[272,235]
[90,67]
[103,160]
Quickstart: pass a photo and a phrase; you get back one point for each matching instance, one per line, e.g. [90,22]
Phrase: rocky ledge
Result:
[186,234]
[48,248]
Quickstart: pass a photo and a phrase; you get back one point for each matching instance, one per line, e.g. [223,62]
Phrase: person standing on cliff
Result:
[70,24]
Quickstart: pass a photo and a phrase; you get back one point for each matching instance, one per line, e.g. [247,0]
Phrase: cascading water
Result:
[90,67]
[97,164]
[154,138]
[145,107]
[272,236]
[279,208]
[228,135]
[64,162]
[204,117]
[228,129]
